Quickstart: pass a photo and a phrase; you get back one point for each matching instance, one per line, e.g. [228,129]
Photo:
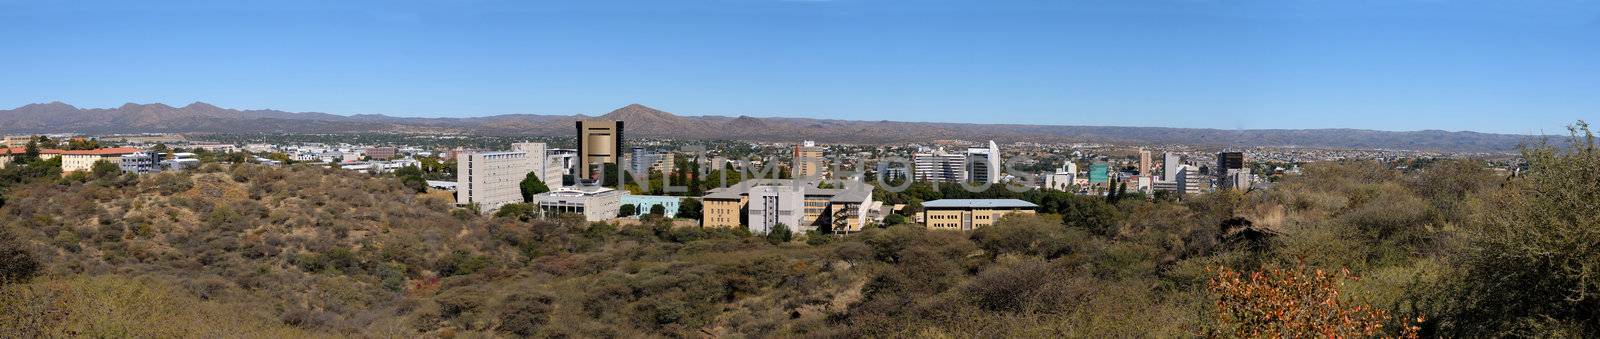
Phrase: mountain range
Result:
[642,121]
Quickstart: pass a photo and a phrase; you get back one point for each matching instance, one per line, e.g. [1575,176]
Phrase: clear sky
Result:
[1522,66]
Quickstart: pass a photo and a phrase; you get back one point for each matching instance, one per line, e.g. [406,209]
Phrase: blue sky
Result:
[1496,66]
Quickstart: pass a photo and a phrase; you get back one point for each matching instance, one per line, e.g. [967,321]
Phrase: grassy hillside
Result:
[1354,249]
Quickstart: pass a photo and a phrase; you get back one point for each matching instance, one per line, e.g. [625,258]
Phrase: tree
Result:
[30,153]
[894,219]
[415,183]
[17,265]
[779,234]
[658,210]
[523,212]
[689,208]
[104,169]
[627,211]
[1530,267]
[531,186]
[1093,215]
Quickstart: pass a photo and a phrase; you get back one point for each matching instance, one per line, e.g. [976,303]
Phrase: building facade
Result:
[84,160]
[594,203]
[938,166]
[141,163]
[807,160]
[762,203]
[491,179]
[983,164]
[11,153]
[971,214]
[643,203]
[599,143]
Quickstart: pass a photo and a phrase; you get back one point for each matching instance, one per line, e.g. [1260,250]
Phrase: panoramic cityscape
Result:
[928,169]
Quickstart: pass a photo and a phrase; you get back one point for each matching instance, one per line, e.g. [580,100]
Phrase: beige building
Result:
[11,153]
[971,214]
[599,142]
[491,179]
[759,204]
[83,160]
[807,160]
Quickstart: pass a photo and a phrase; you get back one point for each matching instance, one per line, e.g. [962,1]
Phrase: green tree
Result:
[30,153]
[1093,215]
[523,212]
[658,210]
[894,219]
[1531,267]
[779,234]
[627,211]
[105,169]
[531,186]
[689,208]
[415,182]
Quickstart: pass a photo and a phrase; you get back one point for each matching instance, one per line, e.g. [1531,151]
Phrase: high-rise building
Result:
[1237,179]
[1228,161]
[641,159]
[1171,162]
[807,160]
[599,143]
[984,163]
[491,179]
[1190,180]
[1144,164]
[536,159]
[559,163]
[939,166]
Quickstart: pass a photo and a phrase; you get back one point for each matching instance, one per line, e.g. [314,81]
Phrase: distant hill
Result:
[644,121]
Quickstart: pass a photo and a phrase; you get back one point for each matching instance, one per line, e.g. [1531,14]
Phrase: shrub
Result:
[1296,302]
[524,313]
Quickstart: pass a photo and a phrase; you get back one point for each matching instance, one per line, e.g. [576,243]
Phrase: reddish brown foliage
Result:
[1292,303]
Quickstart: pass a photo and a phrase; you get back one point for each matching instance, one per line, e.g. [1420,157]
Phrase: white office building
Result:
[595,203]
[141,163]
[1190,180]
[558,162]
[939,166]
[776,204]
[491,179]
[984,163]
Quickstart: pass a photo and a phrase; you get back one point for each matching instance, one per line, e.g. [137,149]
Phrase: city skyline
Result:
[1394,66]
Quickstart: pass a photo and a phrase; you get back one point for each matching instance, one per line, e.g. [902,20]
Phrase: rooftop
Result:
[104,151]
[21,150]
[978,203]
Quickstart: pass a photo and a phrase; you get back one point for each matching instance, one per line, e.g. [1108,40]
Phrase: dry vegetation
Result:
[1353,249]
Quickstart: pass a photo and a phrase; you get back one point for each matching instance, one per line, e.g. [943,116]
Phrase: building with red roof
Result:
[83,160]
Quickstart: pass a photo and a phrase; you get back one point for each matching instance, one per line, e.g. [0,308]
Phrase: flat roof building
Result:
[595,203]
[643,203]
[83,160]
[762,203]
[971,214]
[491,179]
